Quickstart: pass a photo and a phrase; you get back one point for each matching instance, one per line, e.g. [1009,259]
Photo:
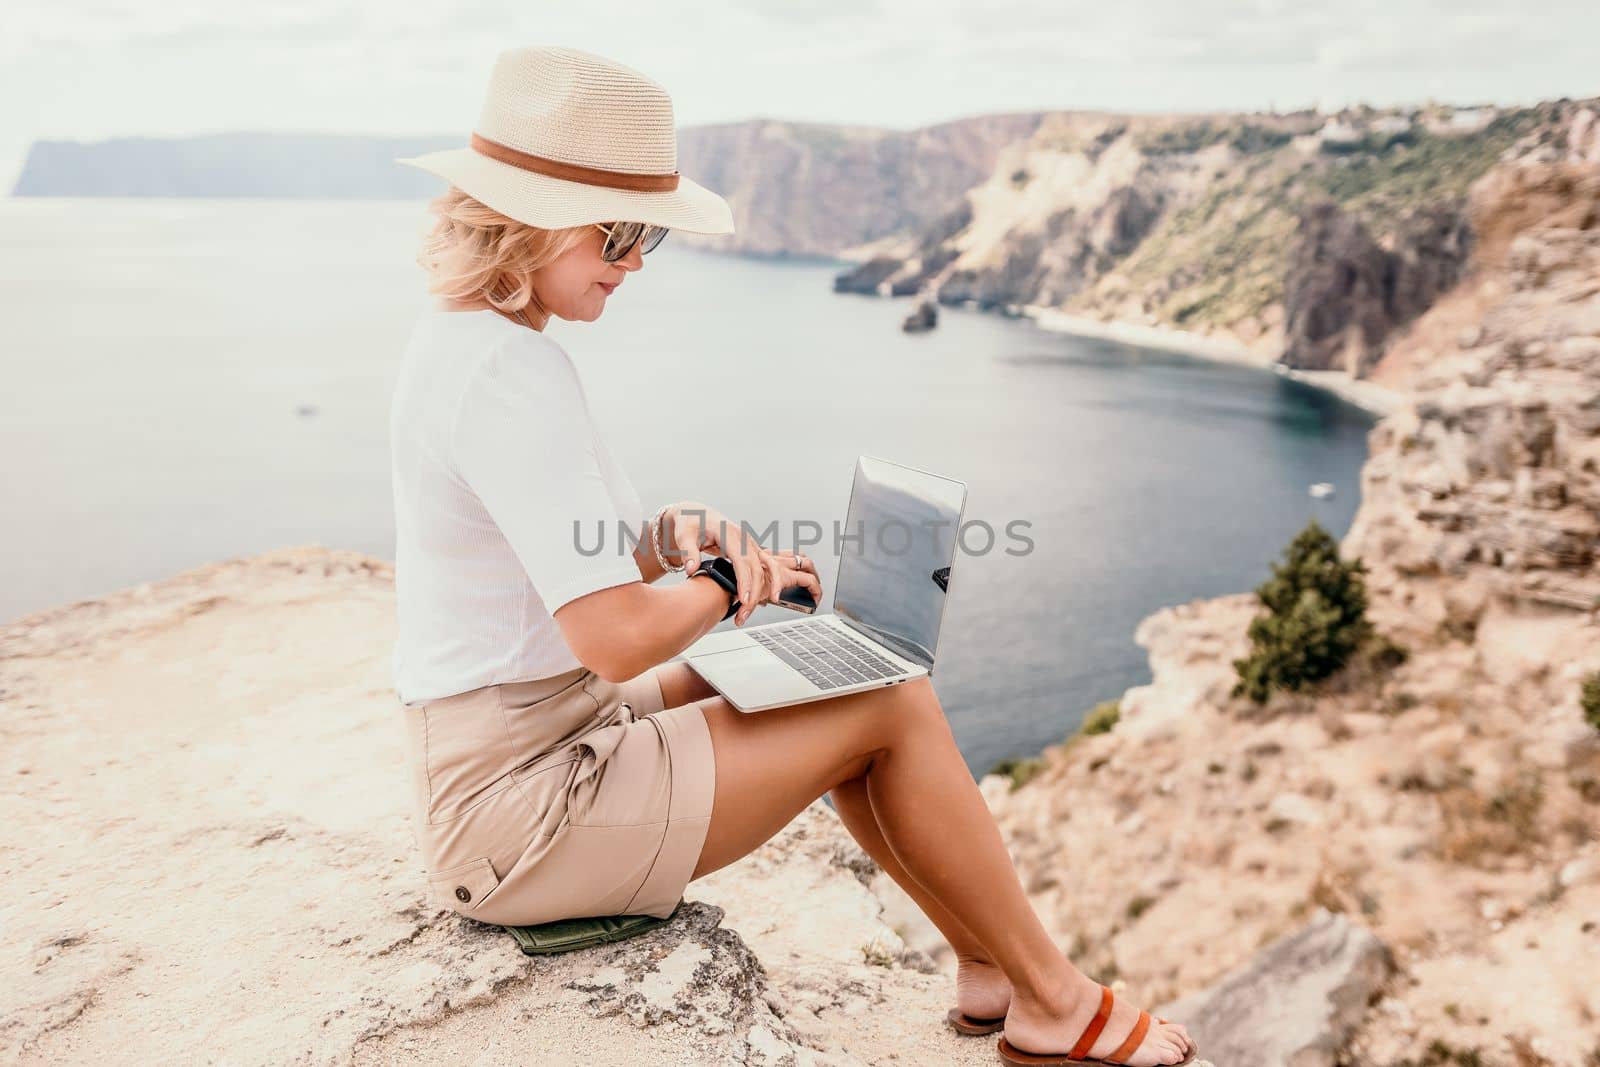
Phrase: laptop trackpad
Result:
[722,641]
[753,672]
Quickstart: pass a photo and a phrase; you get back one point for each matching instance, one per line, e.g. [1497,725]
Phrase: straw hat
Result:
[567,138]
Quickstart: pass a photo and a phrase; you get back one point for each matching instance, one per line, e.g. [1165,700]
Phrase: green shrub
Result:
[1315,618]
[1020,770]
[1591,699]
[1102,718]
[1250,139]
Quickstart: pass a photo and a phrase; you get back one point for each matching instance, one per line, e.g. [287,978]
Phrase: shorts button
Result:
[462,894]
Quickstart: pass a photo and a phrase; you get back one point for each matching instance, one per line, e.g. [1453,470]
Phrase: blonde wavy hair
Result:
[474,252]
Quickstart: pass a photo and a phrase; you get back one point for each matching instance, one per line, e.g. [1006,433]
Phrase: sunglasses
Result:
[622,236]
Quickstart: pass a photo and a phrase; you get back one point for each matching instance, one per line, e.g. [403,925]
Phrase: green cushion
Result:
[566,935]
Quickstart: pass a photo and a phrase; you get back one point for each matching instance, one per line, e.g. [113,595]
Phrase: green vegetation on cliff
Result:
[1222,258]
[1315,618]
[1380,185]
[1245,137]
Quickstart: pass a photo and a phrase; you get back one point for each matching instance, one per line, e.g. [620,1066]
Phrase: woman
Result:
[560,765]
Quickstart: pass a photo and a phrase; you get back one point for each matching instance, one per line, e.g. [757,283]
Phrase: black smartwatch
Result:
[720,570]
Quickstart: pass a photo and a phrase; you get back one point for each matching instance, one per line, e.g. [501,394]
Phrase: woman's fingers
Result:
[775,586]
[762,573]
[809,581]
[795,570]
[805,571]
[794,560]
[681,546]
[743,571]
[747,589]
[686,543]
[760,580]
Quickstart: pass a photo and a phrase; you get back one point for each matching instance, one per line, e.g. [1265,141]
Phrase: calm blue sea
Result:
[159,355]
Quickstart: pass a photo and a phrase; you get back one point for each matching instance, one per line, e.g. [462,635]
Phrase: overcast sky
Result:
[91,69]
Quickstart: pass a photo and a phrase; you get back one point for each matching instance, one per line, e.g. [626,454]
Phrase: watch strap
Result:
[720,570]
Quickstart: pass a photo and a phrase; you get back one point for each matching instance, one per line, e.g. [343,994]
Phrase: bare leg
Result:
[982,989]
[934,821]
[680,684]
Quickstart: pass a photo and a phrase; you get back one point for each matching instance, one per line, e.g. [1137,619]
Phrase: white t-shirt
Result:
[494,456]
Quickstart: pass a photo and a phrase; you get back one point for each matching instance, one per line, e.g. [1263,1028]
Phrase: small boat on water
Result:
[1321,489]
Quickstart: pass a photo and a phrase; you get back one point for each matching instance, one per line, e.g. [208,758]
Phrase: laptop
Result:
[888,601]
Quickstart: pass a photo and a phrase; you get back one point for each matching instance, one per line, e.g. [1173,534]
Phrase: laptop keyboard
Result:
[825,657]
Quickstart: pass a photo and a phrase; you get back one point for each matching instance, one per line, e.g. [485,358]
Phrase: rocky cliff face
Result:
[1064,207]
[811,189]
[1345,294]
[1298,236]
[1446,808]
[1493,475]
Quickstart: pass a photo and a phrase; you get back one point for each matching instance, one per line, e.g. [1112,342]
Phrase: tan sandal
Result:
[1079,1056]
[971,1025]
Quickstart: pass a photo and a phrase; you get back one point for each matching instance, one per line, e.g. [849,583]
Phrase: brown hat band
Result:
[575,172]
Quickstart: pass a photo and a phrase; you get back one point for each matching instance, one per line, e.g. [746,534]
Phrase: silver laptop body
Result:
[887,604]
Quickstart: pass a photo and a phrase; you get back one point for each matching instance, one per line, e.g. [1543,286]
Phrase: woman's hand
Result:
[775,572]
[794,569]
[692,527]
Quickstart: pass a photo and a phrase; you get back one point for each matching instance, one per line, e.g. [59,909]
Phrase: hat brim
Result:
[555,203]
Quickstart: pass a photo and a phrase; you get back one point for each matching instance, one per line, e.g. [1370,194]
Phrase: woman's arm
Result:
[624,630]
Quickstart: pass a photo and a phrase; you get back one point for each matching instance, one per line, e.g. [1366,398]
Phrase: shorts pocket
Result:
[545,785]
[597,753]
[623,778]
[463,887]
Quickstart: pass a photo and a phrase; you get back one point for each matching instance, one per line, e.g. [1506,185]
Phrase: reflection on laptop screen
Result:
[894,575]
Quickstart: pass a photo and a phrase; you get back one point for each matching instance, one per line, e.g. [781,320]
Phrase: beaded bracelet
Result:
[655,543]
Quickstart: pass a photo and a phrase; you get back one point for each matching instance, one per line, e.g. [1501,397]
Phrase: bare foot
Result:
[982,989]
[1037,1027]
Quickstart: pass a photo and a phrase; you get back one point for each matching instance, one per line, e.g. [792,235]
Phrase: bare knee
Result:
[916,700]
[907,710]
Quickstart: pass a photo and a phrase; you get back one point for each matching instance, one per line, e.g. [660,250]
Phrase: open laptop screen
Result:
[896,550]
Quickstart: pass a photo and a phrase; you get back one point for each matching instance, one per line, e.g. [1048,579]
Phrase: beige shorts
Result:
[559,797]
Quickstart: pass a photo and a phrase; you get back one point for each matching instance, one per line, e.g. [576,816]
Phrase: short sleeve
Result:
[523,442]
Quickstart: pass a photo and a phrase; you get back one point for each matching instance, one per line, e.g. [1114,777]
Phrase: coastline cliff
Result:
[1449,805]
[1304,239]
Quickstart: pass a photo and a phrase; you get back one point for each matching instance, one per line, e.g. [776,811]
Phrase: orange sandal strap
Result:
[1098,1023]
[1124,1050]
